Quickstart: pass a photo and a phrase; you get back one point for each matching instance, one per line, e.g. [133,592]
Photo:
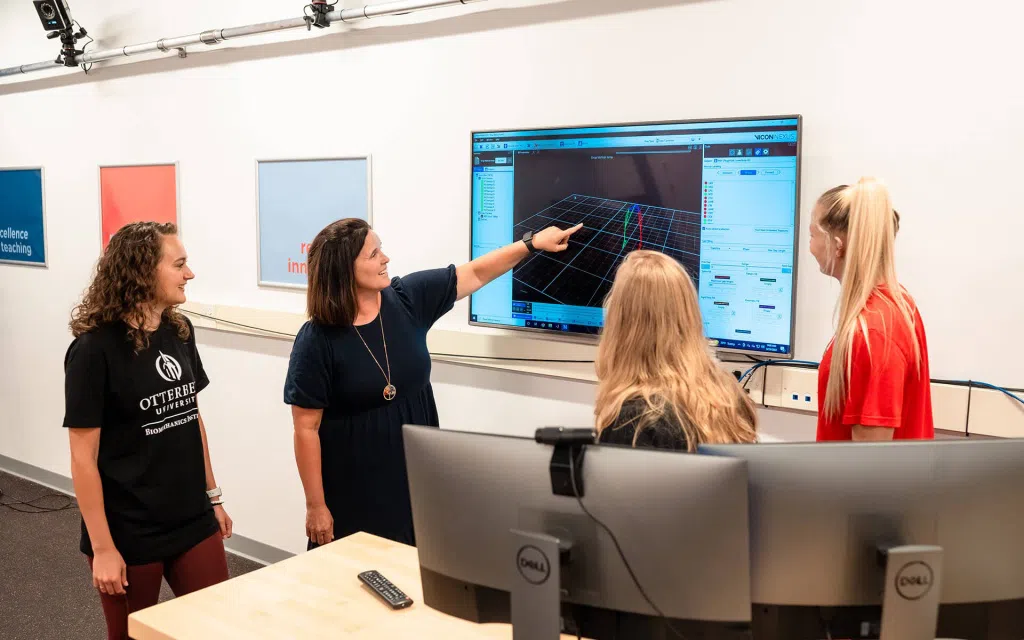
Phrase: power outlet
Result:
[798,389]
[992,413]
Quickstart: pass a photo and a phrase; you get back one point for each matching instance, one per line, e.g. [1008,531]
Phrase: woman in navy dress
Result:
[360,369]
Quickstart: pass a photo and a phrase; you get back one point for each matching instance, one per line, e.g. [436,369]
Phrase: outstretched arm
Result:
[475,274]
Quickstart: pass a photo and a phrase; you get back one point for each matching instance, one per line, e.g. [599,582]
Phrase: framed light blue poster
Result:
[295,199]
[22,224]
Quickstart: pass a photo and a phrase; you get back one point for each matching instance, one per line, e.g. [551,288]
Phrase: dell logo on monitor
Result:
[914,580]
[533,565]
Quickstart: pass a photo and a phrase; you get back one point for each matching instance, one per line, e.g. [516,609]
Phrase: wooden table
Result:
[312,595]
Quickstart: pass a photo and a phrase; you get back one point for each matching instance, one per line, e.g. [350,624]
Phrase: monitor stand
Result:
[537,559]
[536,594]
[913,586]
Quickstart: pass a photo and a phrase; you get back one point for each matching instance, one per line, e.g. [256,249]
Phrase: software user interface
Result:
[719,197]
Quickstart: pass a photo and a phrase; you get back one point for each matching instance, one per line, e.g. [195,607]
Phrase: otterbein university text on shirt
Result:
[180,397]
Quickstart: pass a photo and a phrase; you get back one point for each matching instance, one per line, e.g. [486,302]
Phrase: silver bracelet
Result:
[214,493]
[216,503]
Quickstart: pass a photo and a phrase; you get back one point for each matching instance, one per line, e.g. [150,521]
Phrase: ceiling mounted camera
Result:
[54,14]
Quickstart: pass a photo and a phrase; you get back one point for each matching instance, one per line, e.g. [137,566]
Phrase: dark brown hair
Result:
[331,296]
[125,281]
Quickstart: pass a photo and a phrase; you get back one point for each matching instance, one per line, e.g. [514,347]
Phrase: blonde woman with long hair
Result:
[658,384]
[873,381]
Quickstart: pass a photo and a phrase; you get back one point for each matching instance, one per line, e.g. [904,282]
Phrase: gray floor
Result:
[46,591]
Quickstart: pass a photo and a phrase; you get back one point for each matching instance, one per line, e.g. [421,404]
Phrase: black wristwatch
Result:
[528,241]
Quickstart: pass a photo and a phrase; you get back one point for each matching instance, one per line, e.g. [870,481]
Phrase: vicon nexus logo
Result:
[764,136]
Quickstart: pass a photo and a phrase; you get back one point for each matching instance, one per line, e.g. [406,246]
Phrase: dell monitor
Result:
[719,196]
[491,528]
[834,529]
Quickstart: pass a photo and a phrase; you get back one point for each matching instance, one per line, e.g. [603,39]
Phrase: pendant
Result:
[390,392]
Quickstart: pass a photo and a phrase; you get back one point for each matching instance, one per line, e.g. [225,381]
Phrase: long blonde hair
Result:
[862,214]
[652,348]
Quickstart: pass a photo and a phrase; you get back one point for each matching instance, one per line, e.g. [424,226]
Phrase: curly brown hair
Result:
[125,281]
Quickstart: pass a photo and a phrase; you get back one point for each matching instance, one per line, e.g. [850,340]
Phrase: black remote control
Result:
[387,591]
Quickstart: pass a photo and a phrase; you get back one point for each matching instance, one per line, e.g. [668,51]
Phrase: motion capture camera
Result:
[56,18]
[319,18]
[54,14]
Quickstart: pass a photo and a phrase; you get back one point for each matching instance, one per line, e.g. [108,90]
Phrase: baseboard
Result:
[48,479]
[255,550]
[236,544]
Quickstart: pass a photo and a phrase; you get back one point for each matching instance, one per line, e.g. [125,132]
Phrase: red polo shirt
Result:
[885,388]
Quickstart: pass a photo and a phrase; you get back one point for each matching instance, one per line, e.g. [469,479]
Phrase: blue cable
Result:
[765,363]
[985,385]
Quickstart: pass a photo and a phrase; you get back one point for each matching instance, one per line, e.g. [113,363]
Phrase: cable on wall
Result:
[439,355]
[744,379]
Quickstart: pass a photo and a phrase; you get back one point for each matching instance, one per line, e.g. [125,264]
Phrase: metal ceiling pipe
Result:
[263,27]
[28,68]
[214,36]
[388,9]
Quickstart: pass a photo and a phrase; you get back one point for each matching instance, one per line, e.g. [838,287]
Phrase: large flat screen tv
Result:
[719,196]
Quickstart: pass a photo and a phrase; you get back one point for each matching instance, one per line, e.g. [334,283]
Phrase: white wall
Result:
[924,97]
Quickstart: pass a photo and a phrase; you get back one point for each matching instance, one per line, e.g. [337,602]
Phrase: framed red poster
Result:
[137,193]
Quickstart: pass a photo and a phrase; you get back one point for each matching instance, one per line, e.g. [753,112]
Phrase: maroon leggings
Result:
[201,566]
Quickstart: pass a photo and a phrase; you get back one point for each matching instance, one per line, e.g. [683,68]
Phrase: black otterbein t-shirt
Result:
[151,451]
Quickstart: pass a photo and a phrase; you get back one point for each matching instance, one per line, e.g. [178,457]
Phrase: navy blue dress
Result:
[362,457]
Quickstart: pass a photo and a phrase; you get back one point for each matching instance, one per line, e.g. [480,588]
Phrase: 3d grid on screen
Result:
[583,273]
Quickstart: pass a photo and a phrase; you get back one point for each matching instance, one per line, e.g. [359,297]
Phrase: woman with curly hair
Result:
[141,468]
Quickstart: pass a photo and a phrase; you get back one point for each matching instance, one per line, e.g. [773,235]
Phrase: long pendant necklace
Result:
[389,391]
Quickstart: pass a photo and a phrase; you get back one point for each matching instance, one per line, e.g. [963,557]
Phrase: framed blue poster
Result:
[295,199]
[22,224]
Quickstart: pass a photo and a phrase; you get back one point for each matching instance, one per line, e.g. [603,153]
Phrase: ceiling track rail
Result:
[216,36]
